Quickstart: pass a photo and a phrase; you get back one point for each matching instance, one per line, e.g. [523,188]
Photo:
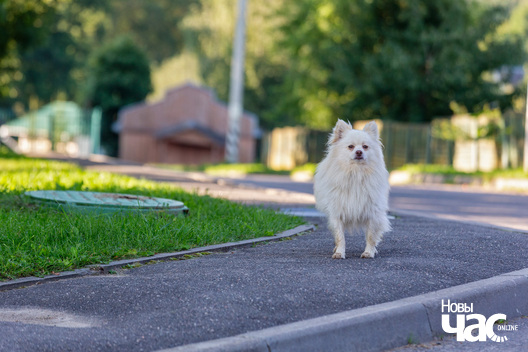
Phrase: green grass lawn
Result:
[36,240]
[308,167]
[450,171]
[225,169]
[235,170]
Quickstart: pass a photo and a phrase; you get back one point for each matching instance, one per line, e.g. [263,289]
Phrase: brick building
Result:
[188,126]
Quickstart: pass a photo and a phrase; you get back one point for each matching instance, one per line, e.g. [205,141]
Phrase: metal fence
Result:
[411,143]
[456,141]
[60,126]
[512,140]
[287,147]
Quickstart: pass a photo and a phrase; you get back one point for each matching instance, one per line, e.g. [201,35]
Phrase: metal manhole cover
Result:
[106,202]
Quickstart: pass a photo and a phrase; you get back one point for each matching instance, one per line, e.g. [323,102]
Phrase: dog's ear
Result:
[339,130]
[372,129]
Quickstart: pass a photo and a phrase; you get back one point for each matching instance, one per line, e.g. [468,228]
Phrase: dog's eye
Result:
[351,146]
[365,146]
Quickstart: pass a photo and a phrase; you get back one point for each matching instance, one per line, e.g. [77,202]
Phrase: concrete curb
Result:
[224,247]
[381,326]
[31,280]
[106,268]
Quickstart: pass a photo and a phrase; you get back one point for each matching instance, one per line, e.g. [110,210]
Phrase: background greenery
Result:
[225,169]
[119,75]
[448,170]
[307,61]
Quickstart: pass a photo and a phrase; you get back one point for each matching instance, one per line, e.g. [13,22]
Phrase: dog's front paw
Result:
[338,255]
[368,254]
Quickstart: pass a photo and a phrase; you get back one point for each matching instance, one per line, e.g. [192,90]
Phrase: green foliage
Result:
[37,240]
[445,129]
[307,61]
[49,78]
[448,170]
[238,169]
[209,35]
[155,26]
[52,70]
[48,42]
[6,153]
[430,169]
[119,76]
[403,60]
[24,25]
[308,167]
[21,23]
[225,169]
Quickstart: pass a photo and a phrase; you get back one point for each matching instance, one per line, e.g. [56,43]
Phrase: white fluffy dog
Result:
[351,186]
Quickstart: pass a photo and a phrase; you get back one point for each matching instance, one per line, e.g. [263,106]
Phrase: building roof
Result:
[188,126]
[63,115]
[162,107]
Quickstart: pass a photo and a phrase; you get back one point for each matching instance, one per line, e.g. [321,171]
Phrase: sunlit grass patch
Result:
[36,240]
[225,169]
[448,170]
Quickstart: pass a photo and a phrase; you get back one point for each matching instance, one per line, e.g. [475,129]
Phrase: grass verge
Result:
[225,170]
[36,240]
[447,170]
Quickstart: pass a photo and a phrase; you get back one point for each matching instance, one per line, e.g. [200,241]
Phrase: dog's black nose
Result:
[359,152]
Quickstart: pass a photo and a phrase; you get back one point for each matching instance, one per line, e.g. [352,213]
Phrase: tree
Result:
[45,44]
[119,76]
[23,25]
[54,68]
[46,69]
[209,35]
[396,59]
[154,25]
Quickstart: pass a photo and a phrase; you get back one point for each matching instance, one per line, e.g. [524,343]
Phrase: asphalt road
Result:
[442,201]
[457,203]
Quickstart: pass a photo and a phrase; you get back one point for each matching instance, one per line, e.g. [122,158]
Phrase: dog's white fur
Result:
[351,186]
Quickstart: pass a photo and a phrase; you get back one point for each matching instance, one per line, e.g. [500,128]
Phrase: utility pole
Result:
[525,158]
[236,86]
